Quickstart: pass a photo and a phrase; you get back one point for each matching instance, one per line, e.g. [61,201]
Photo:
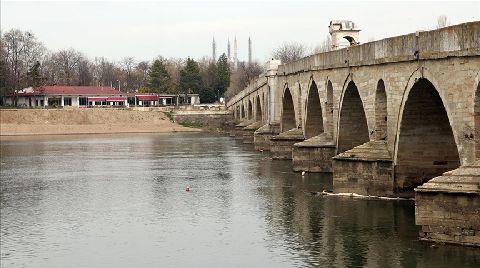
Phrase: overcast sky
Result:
[145,30]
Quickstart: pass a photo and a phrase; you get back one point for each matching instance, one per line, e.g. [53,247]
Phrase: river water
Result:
[121,201]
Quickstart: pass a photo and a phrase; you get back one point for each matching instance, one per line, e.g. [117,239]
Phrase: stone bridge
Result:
[388,118]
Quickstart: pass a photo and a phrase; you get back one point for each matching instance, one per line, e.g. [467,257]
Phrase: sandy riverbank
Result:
[85,121]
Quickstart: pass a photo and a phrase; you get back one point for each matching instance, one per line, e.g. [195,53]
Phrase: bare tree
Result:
[5,72]
[242,76]
[207,71]
[325,46]
[289,52]
[22,50]
[105,72]
[128,68]
[442,21]
[174,66]
[141,71]
[85,76]
[66,63]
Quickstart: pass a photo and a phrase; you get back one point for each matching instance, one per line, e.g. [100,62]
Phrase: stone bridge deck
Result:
[414,98]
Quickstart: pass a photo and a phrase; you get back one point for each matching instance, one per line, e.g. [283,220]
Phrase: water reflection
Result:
[120,201]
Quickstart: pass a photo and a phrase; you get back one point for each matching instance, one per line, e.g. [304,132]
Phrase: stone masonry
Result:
[416,96]
[314,154]
[263,135]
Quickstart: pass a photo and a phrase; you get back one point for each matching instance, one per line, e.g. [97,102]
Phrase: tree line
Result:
[26,62]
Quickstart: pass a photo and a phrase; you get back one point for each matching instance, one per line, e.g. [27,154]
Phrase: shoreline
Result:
[11,130]
[86,122]
[98,133]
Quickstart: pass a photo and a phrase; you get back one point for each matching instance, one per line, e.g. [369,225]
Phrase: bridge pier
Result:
[366,169]
[282,144]
[314,154]
[448,207]
[249,130]
[262,136]
[239,129]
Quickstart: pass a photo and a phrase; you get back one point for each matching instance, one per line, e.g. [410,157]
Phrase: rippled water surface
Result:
[121,201]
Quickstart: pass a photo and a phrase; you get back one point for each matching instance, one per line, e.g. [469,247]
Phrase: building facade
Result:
[86,96]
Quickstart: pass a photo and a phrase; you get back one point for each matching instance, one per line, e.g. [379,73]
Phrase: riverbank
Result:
[17,122]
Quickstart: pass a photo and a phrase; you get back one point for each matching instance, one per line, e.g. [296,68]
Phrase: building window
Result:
[67,101]
[82,101]
[53,102]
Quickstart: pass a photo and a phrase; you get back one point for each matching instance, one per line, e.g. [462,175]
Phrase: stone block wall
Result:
[313,159]
[262,141]
[363,177]
[282,149]
[248,135]
[239,132]
[448,217]
[207,120]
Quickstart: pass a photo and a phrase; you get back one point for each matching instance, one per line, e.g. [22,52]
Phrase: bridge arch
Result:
[250,110]
[329,107]
[353,128]
[476,114]
[264,106]
[258,110]
[288,112]
[313,114]
[350,39]
[381,111]
[425,145]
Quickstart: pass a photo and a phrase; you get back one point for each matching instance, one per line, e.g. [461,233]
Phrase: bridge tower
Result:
[340,29]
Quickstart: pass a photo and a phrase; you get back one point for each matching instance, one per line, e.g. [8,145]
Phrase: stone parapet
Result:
[456,40]
[448,207]
[282,144]
[366,169]
[314,154]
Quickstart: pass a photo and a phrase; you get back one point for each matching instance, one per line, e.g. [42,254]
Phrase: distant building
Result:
[343,29]
[86,96]
[233,59]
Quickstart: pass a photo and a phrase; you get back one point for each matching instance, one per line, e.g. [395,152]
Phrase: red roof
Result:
[147,97]
[116,99]
[71,90]
[97,98]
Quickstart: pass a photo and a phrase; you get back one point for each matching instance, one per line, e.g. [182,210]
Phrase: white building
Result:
[86,96]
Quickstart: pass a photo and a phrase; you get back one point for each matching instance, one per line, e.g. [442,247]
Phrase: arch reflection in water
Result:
[123,204]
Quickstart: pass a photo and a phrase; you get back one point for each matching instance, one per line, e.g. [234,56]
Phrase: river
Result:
[122,201]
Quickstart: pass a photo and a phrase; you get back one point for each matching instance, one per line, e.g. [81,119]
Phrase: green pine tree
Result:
[211,74]
[222,78]
[159,80]
[190,79]
[34,77]
[207,95]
